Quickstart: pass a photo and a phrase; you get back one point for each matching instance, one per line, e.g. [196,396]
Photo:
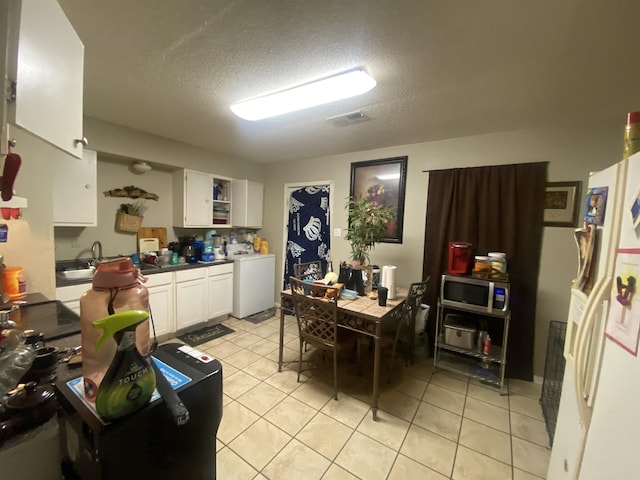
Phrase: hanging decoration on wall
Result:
[131,192]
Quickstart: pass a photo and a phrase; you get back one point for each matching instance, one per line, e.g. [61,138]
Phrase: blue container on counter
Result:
[208,257]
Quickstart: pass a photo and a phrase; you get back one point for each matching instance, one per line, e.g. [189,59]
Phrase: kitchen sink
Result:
[77,273]
[148,266]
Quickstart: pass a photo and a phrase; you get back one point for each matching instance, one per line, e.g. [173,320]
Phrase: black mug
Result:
[382,296]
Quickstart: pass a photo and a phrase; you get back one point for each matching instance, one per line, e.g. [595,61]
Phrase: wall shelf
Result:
[15,202]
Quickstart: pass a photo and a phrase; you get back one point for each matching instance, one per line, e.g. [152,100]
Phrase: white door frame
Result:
[290,187]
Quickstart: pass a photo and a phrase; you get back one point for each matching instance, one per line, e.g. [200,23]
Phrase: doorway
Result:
[307,225]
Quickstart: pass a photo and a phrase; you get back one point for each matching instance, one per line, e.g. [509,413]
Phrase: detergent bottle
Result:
[116,287]
[130,379]
[264,247]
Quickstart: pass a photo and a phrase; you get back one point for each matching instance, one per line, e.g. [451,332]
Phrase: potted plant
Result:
[129,216]
[367,226]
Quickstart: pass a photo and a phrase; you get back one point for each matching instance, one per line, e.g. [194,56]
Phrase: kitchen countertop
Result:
[30,298]
[146,271]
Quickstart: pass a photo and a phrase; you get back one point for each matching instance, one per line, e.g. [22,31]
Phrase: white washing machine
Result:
[253,280]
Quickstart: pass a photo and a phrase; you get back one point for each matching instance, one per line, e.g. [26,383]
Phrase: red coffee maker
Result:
[459,258]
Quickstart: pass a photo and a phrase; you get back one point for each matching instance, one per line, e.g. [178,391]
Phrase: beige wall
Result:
[117,147]
[74,242]
[118,141]
[572,153]
[30,240]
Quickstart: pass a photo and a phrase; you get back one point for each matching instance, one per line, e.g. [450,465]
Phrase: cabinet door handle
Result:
[82,140]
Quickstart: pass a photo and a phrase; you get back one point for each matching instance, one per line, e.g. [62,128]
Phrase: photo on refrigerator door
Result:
[596,205]
[634,208]
[587,243]
[623,324]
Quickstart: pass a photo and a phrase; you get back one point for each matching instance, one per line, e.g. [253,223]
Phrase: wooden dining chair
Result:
[406,321]
[316,309]
[308,270]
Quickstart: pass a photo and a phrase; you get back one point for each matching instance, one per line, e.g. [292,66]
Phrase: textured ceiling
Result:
[444,68]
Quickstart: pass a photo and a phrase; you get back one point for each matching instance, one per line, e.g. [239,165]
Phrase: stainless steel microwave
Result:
[474,294]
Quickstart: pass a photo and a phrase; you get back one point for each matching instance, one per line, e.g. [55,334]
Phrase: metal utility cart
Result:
[457,348]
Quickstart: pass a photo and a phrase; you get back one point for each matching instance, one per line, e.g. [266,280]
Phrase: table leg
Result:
[376,372]
[281,343]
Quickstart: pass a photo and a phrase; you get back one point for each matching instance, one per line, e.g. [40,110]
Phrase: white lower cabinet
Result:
[191,297]
[220,290]
[161,302]
[177,299]
[70,296]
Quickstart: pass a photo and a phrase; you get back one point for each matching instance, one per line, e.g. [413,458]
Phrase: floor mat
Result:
[205,334]
[261,316]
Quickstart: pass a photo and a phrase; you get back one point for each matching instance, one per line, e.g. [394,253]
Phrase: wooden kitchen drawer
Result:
[220,269]
[193,274]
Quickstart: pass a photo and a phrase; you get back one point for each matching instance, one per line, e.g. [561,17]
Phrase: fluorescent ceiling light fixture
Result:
[389,176]
[337,87]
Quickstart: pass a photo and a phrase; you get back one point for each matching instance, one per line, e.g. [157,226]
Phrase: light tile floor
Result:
[432,424]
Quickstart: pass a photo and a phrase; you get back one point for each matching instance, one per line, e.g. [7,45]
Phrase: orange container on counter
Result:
[14,283]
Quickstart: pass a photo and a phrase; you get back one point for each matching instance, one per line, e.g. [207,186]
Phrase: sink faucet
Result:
[97,245]
[5,321]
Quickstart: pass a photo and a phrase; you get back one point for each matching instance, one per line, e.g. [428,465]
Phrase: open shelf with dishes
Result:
[462,327]
[201,199]
[221,201]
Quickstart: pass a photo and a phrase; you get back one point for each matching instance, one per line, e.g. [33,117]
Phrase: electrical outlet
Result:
[337,232]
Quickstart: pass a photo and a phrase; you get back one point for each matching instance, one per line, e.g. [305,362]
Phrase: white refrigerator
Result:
[598,427]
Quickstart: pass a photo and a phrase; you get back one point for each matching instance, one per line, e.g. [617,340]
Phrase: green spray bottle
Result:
[130,380]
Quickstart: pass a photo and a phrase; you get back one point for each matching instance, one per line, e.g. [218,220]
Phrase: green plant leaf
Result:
[367,226]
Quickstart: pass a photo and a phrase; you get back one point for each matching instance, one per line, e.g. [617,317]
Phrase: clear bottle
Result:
[16,358]
[482,264]
[498,262]
[116,288]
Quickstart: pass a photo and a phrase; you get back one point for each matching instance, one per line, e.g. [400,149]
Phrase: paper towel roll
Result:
[389,280]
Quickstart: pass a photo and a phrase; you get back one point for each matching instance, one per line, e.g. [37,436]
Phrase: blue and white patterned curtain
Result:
[308,237]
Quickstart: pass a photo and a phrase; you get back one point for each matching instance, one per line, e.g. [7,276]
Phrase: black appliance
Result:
[51,318]
[187,249]
[148,443]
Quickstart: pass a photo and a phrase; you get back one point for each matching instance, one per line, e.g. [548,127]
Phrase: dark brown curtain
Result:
[497,209]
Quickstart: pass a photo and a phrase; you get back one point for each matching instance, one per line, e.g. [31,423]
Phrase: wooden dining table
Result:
[363,315]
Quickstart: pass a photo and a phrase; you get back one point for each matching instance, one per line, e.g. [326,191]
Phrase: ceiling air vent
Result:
[348,118]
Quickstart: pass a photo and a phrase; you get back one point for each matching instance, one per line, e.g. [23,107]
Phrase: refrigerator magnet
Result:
[634,208]
[596,205]
[623,322]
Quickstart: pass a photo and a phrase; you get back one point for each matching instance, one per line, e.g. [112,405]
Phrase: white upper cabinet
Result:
[194,200]
[75,194]
[43,73]
[201,200]
[247,199]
